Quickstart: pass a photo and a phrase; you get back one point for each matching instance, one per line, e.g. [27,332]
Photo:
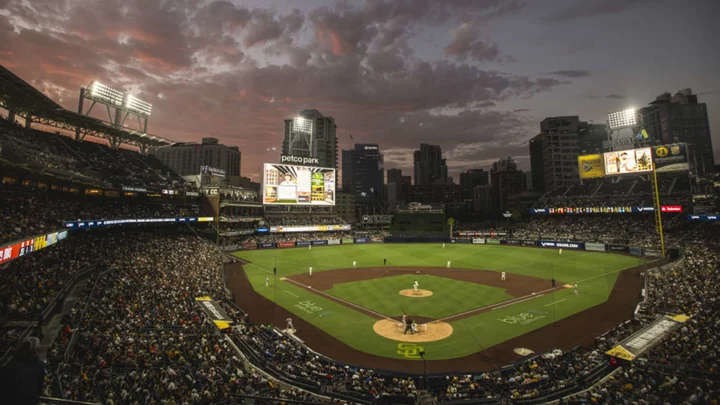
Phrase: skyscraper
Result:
[363,175]
[310,134]
[186,159]
[507,181]
[471,178]
[681,118]
[430,166]
[554,151]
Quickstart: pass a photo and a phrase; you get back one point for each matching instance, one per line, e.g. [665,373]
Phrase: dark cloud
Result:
[609,96]
[571,73]
[594,8]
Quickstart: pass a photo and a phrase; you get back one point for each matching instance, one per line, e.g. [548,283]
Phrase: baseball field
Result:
[459,311]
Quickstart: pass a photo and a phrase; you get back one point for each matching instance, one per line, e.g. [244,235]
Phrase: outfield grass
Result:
[449,297]
[594,272]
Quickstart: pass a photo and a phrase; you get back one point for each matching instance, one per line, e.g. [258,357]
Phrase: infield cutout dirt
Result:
[435,331]
[416,294]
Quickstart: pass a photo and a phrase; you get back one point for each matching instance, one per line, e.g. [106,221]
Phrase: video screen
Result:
[298,185]
[628,161]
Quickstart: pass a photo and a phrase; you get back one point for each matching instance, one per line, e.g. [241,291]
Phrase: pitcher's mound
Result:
[417,294]
[393,330]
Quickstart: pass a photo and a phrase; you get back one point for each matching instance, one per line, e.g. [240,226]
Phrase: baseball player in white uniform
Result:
[443,245]
[289,325]
[415,286]
[560,252]
[354,264]
[311,270]
[502,276]
[309,247]
[448,264]
[267,282]
[575,287]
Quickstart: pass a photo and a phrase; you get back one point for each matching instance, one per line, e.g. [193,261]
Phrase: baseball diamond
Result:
[467,316]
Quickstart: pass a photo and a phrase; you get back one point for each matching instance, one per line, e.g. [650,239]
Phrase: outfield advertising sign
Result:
[462,240]
[617,248]
[704,217]
[562,245]
[493,241]
[286,244]
[319,243]
[637,251]
[267,245]
[302,243]
[514,242]
[651,252]
[529,243]
[249,246]
[348,241]
[597,247]
[478,241]
[333,241]
[362,240]
[378,240]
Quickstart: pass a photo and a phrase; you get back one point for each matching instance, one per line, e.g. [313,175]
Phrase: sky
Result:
[473,76]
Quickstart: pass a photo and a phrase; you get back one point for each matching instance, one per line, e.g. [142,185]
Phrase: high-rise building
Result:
[310,134]
[554,151]
[398,187]
[363,175]
[430,166]
[471,178]
[529,181]
[681,118]
[187,159]
[507,181]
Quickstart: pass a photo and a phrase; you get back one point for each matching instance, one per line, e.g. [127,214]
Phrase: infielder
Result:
[448,264]
[502,276]
[415,286]
[413,327]
[553,282]
[575,286]
[311,270]
[267,282]
[354,264]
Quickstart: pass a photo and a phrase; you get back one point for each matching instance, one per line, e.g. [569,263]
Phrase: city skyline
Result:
[474,77]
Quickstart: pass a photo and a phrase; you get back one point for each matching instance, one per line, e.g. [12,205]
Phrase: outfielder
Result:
[502,276]
[575,286]
[448,264]
[354,264]
[415,286]
[267,282]
[309,247]
[443,245]
[311,270]
[560,252]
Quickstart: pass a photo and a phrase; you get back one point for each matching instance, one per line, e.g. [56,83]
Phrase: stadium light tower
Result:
[619,121]
[301,137]
[118,104]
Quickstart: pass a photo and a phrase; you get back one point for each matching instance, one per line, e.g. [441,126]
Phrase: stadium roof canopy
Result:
[20,98]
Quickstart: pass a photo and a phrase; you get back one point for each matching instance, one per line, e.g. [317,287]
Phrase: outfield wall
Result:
[547,244]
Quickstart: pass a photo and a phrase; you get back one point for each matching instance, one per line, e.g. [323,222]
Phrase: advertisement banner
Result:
[703,217]
[493,241]
[641,341]
[478,241]
[637,251]
[597,247]
[362,240]
[249,245]
[514,242]
[617,248]
[671,208]
[463,240]
[215,312]
[652,252]
[628,161]
[348,241]
[302,243]
[286,244]
[319,243]
[378,240]
[108,222]
[18,249]
[671,158]
[310,228]
[591,166]
[334,242]
[262,230]
[529,243]
[298,185]
[267,245]
[562,245]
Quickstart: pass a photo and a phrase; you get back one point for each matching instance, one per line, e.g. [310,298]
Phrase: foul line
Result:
[291,293]
[553,303]
[531,297]
[334,298]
